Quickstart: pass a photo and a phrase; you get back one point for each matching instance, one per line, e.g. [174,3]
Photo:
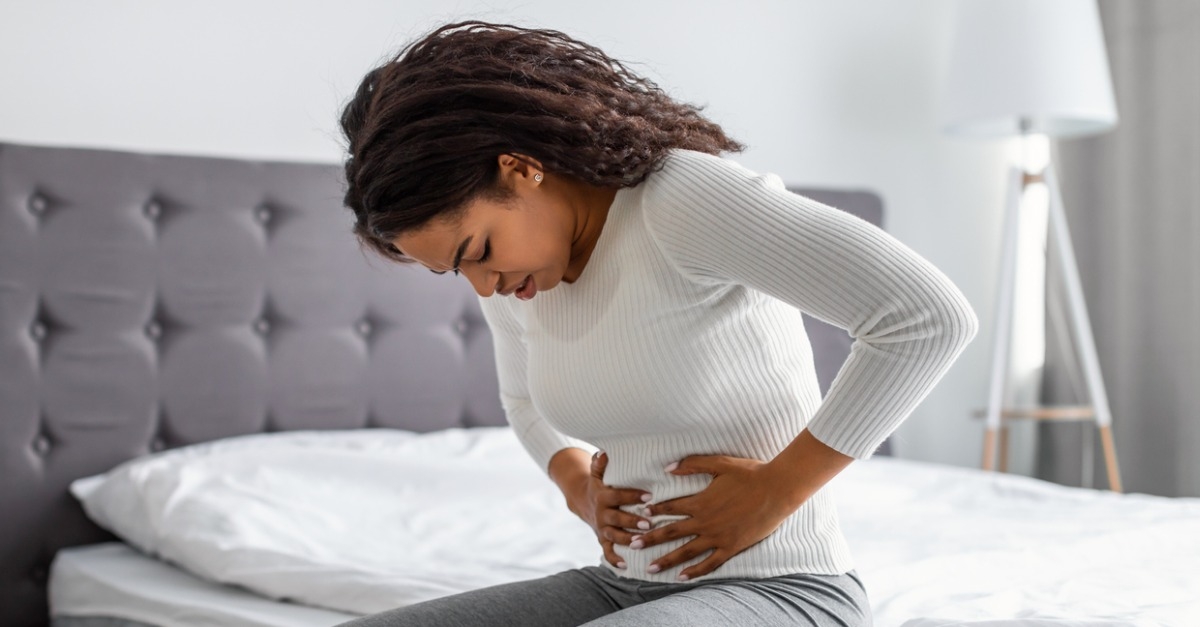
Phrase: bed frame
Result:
[155,301]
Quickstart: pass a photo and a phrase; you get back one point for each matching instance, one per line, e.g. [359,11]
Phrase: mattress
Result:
[935,546]
[113,580]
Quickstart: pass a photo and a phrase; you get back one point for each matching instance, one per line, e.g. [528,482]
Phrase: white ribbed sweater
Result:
[683,335]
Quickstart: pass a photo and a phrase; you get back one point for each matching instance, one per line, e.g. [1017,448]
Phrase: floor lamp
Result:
[1021,68]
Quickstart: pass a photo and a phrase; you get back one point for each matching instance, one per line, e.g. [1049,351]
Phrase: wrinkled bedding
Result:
[362,521]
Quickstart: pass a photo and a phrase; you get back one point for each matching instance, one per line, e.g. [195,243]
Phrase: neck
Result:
[594,203]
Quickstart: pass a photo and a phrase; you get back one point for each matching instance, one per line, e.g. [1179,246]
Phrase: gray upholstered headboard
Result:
[153,301]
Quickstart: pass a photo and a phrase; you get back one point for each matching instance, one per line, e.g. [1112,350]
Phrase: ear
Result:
[516,167]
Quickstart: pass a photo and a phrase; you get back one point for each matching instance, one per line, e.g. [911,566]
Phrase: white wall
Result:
[825,93]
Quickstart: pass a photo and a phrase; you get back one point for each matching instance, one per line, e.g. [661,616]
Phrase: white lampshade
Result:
[1042,61]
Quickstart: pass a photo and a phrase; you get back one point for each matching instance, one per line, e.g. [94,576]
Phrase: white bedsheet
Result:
[114,580]
[935,545]
[940,545]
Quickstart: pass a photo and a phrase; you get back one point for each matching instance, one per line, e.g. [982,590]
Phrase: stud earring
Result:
[538,177]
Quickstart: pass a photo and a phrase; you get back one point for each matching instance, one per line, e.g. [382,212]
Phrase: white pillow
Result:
[360,521]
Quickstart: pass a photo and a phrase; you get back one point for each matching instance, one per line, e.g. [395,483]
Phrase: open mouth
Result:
[526,289]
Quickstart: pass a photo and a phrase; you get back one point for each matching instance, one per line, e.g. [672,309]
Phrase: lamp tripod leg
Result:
[989,449]
[1082,328]
[1004,316]
[1110,459]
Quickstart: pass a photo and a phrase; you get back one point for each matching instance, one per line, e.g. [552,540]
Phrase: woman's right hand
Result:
[599,505]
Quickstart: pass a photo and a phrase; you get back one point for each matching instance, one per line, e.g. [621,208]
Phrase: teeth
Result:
[521,286]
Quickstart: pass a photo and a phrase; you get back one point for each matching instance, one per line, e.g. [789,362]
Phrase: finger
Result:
[684,505]
[611,555]
[673,531]
[623,519]
[617,535]
[615,497]
[706,566]
[700,464]
[685,553]
[599,463]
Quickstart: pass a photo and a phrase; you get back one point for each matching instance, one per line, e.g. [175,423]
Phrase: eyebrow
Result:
[458,255]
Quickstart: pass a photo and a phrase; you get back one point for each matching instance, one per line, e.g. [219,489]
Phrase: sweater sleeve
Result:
[720,223]
[540,439]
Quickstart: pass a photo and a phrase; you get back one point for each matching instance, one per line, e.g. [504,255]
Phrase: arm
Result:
[721,224]
[568,461]
[540,440]
[570,469]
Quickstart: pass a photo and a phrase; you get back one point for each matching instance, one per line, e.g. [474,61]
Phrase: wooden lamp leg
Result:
[1110,459]
[989,449]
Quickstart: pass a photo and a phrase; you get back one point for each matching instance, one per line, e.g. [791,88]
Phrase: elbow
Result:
[942,316]
[971,325]
[940,327]
[958,322]
[966,321]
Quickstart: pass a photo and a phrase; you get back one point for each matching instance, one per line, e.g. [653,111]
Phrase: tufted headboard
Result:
[154,301]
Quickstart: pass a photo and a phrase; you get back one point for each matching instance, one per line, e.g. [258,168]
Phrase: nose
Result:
[484,281]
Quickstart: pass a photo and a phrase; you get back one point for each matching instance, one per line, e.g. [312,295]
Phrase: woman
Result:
[653,309]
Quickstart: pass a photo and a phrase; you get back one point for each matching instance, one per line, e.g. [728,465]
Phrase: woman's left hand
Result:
[746,501]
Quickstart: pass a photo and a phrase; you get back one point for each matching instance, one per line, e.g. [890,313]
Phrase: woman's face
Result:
[535,234]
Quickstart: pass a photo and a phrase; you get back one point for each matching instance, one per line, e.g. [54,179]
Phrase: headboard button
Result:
[153,330]
[157,444]
[38,204]
[262,213]
[153,209]
[363,327]
[261,326]
[461,327]
[38,331]
[41,445]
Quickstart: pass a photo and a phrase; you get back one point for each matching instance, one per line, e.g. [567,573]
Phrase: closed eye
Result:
[487,254]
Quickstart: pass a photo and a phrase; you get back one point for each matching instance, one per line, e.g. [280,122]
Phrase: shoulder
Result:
[681,163]
[682,158]
[695,209]
[694,177]
[691,185]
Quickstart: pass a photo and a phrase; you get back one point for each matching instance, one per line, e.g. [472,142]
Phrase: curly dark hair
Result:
[424,129]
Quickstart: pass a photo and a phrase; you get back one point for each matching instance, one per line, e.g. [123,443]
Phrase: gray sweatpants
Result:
[596,597]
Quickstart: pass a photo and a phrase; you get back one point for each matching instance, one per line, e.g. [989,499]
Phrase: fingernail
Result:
[653,568]
[642,524]
[646,497]
[637,543]
[683,577]
[672,466]
[621,565]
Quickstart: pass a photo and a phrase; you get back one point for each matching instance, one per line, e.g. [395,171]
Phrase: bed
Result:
[159,308]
